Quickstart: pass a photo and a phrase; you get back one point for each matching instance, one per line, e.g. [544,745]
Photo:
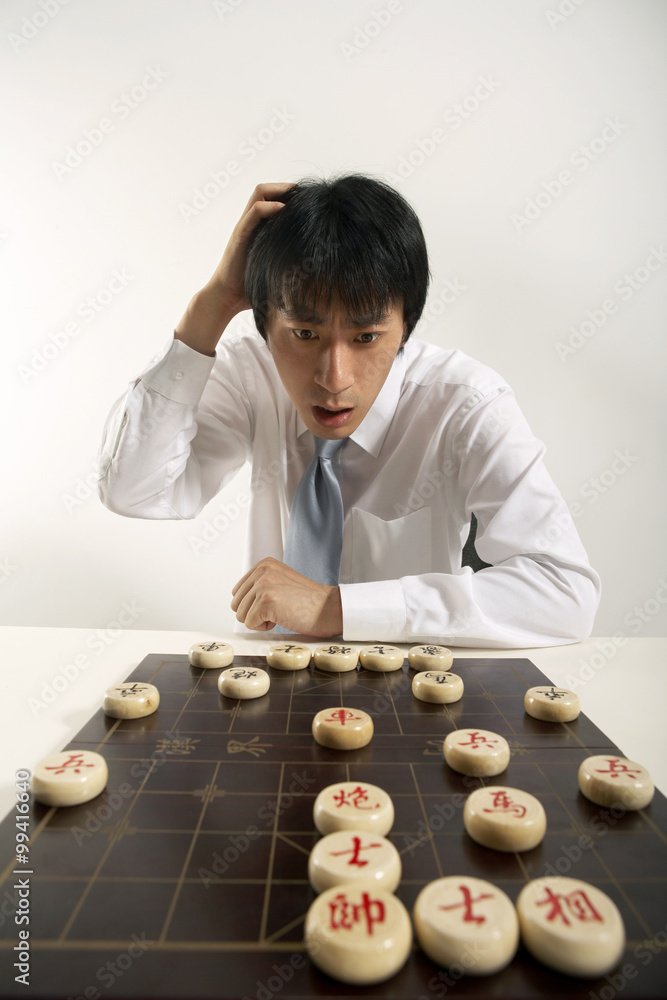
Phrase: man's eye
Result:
[304,334]
[368,338]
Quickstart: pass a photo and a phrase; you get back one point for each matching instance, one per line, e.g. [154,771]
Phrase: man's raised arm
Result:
[160,456]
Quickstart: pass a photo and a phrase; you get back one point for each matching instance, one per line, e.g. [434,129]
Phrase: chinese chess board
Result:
[187,877]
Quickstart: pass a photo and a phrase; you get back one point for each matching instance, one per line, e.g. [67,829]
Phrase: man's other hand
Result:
[272,593]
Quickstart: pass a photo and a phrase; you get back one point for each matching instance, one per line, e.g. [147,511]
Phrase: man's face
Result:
[333,365]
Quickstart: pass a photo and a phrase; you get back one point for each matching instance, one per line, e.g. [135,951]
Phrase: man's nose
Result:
[334,370]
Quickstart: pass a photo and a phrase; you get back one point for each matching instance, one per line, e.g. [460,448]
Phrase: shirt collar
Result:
[372,430]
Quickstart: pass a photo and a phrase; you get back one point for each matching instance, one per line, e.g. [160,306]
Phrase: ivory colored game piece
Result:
[353,805]
[244,682]
[131,700]
[613,781]
[358,935]
[69,778]
[336,659]
[551,704]
[468,922]
[437,686]
[476,752]
[288,656]
[353,857]
[430,658]
[211,655]
[571,926]
[505,819]
[381,658]
[343,728]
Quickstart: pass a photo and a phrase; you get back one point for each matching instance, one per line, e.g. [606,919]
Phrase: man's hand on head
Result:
[272,593]
[215,305]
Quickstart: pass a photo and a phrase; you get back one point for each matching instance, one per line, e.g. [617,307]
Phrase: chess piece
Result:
[571,926]
[342,728]
[211,655]
[288,656]
[132,700]
[504,819]
[429,657]
[69,778]
[551,704]
[437,686]
[336,658]
[353,805]
[615,782]
[466,921]
[358,935]
[243,682]
[381,658]
[476,752]
[352,857]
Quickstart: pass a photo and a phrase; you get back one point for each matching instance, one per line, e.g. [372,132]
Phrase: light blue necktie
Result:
[315,530]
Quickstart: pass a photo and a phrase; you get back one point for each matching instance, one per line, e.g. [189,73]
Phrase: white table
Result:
[53,679]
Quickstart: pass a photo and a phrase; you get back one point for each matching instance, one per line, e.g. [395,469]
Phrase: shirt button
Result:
[178,374]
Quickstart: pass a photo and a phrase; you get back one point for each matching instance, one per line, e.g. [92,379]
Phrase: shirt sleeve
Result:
[165,450]
[539,589]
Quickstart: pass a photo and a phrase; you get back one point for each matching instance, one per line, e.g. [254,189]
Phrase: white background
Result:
[521,90]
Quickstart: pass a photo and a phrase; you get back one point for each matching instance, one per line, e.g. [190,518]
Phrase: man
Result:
[336,273]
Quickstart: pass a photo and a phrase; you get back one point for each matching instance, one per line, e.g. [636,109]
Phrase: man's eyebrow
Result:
[303,316]
[306,316]
[370,319]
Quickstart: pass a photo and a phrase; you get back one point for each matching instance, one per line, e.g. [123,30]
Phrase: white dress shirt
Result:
[444,439]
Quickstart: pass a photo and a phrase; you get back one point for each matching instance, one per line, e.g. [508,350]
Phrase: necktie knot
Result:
[326,449]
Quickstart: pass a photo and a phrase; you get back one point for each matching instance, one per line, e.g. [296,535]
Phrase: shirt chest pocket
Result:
[374,549]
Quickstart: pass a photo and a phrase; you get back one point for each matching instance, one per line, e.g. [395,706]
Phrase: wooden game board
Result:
[187,877]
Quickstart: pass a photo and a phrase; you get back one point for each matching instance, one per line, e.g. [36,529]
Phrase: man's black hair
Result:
[351,239]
